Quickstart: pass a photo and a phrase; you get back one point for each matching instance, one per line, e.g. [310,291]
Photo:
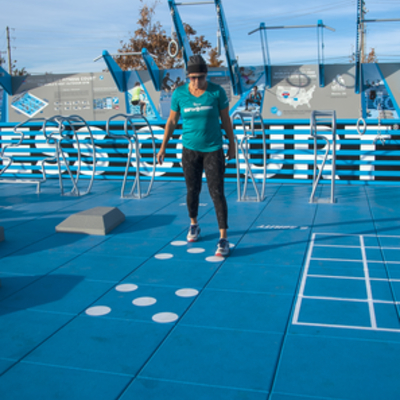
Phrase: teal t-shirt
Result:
[200,116]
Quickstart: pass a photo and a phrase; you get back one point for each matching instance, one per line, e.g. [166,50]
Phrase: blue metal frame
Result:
[119,75]
[152,68]
[180,31]
[6,81]
[231,60]
[265,52]
[4,108]
[183,40]
[116,71]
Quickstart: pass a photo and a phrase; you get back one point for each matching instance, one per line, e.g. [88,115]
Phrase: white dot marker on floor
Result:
[126,287]
[144,301]
[231,245]
[165,317]
[163,256]
[187,292]
[98,311]
[215,259]
[179,243]
[196,250]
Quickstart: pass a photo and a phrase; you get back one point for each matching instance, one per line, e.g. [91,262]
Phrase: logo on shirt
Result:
[197,109]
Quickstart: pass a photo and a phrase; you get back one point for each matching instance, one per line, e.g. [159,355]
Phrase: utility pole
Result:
[9,50]
[363,33]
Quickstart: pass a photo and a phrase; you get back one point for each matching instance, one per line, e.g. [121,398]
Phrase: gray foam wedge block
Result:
[1,233]
[96,221]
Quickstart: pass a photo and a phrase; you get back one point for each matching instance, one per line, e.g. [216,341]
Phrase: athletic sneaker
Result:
[193,234]
[222,248]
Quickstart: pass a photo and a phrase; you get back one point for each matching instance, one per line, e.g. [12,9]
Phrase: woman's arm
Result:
[169,130]
[227,127]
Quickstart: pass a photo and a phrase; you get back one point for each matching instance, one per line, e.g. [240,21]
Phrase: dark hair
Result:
[196,64]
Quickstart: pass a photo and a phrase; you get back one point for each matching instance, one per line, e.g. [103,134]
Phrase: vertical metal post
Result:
[321,58]
[231,60]
[333,178]
[265,53]
[9,51]
[359,45]
[323,117]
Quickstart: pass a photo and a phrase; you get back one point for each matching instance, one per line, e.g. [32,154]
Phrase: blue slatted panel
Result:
[360,159]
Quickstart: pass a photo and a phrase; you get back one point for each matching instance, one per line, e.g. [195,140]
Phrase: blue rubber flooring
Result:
[306,306]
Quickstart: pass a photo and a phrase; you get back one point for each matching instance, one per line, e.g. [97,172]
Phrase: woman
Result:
[136,92]
[201,104]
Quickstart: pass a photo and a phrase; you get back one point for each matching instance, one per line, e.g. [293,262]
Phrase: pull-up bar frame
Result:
[119,76]
[183,41]
[265,51]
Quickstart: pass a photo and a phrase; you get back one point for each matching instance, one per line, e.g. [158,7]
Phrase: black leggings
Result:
[213,163]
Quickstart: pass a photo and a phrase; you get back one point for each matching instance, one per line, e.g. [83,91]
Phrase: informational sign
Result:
[92,96]
[295,92]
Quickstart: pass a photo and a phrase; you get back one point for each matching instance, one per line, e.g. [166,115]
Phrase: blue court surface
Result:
[306,306]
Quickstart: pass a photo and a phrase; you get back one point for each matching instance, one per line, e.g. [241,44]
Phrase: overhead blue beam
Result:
[116,72]
[6,81]
[183,40]
[233,67]
[265,53]
[152,68]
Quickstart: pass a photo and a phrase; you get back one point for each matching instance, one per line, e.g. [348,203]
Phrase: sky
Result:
[66,36]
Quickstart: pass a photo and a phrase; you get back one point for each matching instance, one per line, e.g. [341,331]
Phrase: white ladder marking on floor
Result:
[368,285]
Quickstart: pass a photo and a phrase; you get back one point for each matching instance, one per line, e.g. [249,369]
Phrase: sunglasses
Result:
[199,77]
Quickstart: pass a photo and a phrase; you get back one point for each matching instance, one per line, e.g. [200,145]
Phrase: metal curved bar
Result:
[175,43]
[50,139]
[325,117]
[69,135]
[9,159]
[362,130]
[244,147]
[249,173]
[66,137]
[381,137]
[138,156]
[131,135]
[318,177]
[74,120]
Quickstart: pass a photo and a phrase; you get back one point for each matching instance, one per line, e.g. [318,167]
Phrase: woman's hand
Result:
[227,127]
[160,156]
[231,154]
[169,130]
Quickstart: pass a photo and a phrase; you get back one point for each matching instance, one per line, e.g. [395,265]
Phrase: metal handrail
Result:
[131,136]
[325,117]
[244,146]
[9,159]
[68,135]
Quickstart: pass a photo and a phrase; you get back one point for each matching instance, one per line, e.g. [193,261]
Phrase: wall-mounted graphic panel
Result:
[94,97]
[381,91]
[295,92]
